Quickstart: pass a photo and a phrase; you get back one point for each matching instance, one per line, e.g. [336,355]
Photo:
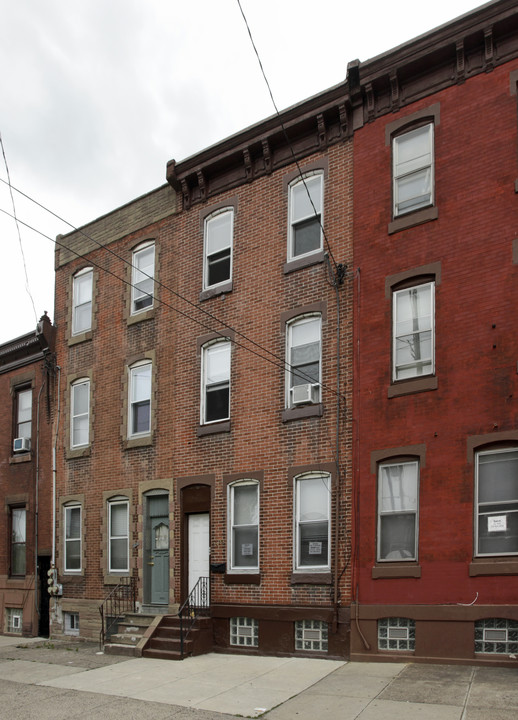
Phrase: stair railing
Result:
[197,604]
[122,599]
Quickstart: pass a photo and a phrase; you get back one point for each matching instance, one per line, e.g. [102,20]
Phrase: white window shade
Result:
[413,170]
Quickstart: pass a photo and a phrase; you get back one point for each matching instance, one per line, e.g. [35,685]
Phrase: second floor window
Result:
[72,538]
[305,216]
[82,301]
[18,540]
[414,332]
[139,420]
[413,170]
[303,352]
[218,232]
[142,278]
[312,511]
[244,525]
[80,413]
[215,382]
[397,511]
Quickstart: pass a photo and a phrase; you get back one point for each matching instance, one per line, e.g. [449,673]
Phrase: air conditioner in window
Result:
[22,444]
[301,394]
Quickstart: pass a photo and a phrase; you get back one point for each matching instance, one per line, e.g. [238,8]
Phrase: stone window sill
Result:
[299,263]
[81,337]
[412,219]
[78,453]
[138,442]
[141,316]
[304,411]
[311,578]
[215,291]
[415,385]
[496,566]
[22,458]
[400,570]
[213,429]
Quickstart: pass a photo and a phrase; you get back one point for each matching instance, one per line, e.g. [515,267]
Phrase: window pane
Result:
[83,288]
[500,536]
[301,204]
[414,150]
[24,406]
[82,318]
[218,363]
[18,525]
[18,559]
[73,522]
[245,547]
[306,236]
[245,505]
[397,537]
[219,232]
[141,417]
[143,277]
[398,487]
[119,554]
[81,398]
[80,431]
[217,403]
[141,383]
[305,331]
[119,519]
[73,558]
[313,544]
[313,499]
[498,477]
[219,267]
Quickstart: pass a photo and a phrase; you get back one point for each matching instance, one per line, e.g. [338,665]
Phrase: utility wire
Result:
[286,137]
[277,361]
[27,287]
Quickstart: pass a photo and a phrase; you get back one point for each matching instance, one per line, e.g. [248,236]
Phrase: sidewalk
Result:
[60,680]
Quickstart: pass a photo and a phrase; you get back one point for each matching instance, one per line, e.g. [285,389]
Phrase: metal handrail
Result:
[120,600]
[197,604]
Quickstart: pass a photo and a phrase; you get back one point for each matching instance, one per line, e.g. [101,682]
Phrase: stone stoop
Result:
[164,643]
[132,633]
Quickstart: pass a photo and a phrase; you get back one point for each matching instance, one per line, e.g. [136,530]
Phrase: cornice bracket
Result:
[342,112]
[489,48]
[202,185]
[248,165]
[461,62]
[369,93]
[322,140]
[394,90]
[267,156]
[185,194]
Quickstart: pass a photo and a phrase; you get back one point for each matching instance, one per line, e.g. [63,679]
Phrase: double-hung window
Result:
[218,232]
[72,538]
[22,419]
[413,170]
[397,511]
[312,527]
[305,216]
[139,419]
[142,278]
[413,336]
[303,352]
[18,540]
[496,503]
[118,530]
[82,301]
[80,413]
[244,525]
[215,398]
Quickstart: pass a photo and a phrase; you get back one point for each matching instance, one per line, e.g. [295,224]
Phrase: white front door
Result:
[199,547]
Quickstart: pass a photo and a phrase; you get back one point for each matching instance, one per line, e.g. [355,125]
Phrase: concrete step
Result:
[119,649]
[126,638]
[162,654]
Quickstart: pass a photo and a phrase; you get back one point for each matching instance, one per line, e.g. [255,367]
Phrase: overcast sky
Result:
[97,96]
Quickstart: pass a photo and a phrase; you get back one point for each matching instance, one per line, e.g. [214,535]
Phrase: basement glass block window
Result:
[71,623]
[396,634]
[311,635]
[13,620]
[244,632]
[497,636]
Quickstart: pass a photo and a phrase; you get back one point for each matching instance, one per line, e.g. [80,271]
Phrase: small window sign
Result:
[315,548]
[497,523]
[247,549]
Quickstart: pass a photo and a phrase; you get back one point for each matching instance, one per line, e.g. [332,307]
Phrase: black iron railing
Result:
[121,600]
[196,605]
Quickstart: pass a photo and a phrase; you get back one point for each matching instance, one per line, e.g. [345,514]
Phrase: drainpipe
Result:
[36,502]
[54,471]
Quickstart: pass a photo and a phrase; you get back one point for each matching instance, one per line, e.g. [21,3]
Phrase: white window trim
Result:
[297,566]
[396,177]
[380,514]
[239,568]
[74,416]
[112,503]
[300,319]
[206,226]
[76,305]
[395,367]
[134,270]
[66,540]
[476,504]
[131,369]
[71,626]
[18,393]
[291,221]
[204,385]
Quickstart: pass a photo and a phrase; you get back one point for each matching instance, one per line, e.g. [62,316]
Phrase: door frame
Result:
[146,572]
[195,497]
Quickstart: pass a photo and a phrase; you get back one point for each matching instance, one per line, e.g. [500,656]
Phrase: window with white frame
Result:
[142,278]
[413,331]
[139,419]
[72,538]
[118,531]
[23,425]
[244,525]
[82,301]
[398,487]
[218,233]
[311,635]
[496,502]
[80,413]
[71,623]
[303,352]
[312,527]
[18,540]
[244,632]
[396,633]
[13,620]
[496,636]
[305,216]
[215,393]
[413,170]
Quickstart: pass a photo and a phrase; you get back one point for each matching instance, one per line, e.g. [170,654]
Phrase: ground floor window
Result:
[496,635]
[244,632]
[13,620]
[396,634]
[311,635]
[71,623]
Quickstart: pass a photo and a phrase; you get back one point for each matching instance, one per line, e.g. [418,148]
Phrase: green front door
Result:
[158,549]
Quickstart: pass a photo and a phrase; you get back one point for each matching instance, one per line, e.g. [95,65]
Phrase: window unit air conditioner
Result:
[307,393]
[22,444]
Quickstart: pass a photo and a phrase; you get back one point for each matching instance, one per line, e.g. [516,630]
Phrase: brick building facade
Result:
[435,216]
[26,394]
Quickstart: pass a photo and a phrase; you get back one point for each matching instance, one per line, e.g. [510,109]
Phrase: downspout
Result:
[337,484]
[53,564]
[36,502]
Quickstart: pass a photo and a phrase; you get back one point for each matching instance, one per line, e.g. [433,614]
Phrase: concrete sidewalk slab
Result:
[221,683]
[23,671]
